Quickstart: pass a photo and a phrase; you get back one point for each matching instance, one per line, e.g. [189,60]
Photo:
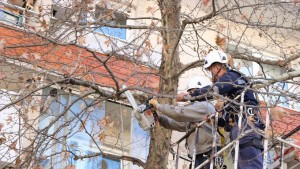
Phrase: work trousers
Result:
[200,158]
[250,158]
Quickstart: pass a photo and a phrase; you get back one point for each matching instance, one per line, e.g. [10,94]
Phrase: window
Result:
[62,13]
[244,66]
[10,18]
[111,17]
[108,125]
[277,88]
[101,162]
[252,69]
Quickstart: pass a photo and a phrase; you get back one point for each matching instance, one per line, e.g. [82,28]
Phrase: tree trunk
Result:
[160,137]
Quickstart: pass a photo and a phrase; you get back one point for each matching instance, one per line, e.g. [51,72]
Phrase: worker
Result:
[230,84]
[184,118]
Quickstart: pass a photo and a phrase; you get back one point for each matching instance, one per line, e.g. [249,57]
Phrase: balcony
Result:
[15,14]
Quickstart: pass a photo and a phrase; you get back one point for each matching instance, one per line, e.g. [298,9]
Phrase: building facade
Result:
[43,43]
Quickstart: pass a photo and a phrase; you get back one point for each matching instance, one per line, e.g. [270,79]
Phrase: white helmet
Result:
[215,56]
[198,82]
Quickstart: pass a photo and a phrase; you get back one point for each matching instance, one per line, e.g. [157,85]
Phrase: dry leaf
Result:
[72,146]
[81,40]
[82,125]
[158,40]
[21,78]
[102,122]
[150,10]
[277,113]
[1,126]
[244,16]
[18,161]
[82,106]
[34,109]
[101,136]
[13,145]
[111,124]
[148,44]
[220,27]
[8,120]
[152,24]
[281,62]
[107,43]
[82,88]
[205,2]
[90,109]
[230,60]
[38,167]
[44,24]
[219,105]
[293,50]
[70,166]
[139,53]
[2,140]
[65,155]
[269,133]
[100,106]
[221,42]
[40,8]
[261,18]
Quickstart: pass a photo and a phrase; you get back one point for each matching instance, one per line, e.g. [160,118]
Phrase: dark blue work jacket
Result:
[231,84]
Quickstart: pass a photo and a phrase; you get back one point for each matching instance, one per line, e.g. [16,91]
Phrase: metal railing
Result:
[279,140]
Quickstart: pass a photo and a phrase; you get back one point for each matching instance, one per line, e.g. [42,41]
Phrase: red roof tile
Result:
[71,59]
[283,126]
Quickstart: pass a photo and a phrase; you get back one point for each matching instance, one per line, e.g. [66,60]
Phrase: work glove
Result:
[180,97]
[154,103]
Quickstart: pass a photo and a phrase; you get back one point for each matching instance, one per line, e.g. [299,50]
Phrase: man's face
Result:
[191,91]
[213,69]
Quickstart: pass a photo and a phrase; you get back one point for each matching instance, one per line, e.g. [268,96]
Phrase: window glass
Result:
[272,72]
[111,17]
[84,128]
[244,67]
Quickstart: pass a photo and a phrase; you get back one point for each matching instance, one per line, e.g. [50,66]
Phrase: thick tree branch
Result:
[280,62]
[126,26]
[279,78]
[134,160]
[191,21]
[94,86]
[186,67]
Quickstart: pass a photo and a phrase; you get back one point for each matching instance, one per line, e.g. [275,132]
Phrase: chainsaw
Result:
[143,113]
